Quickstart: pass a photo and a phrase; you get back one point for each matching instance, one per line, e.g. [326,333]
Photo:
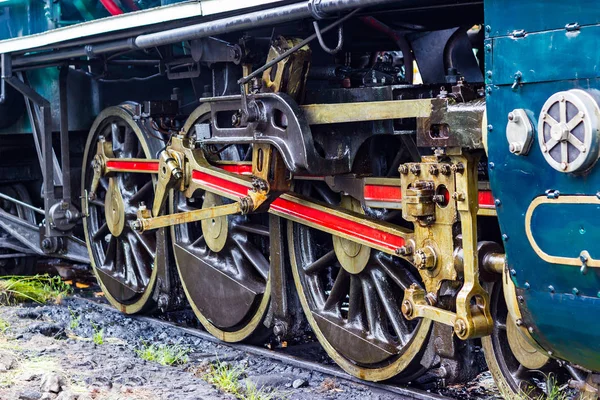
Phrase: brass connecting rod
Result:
[147,223]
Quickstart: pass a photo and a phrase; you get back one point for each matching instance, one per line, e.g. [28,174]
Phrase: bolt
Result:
[458,168]
[505,237]
[530,329]
[515,147]
[581,114]
[403,251]
[526,285]
[564,165]
[561,98]
[407,308]
[136,225]
[488,48]
[488,90]
[513,117]
[519,322]
[236,119]
[280,329]
[445,169]
[489,74]
[177,174]
[415,169]
[460,327]
[521,299]
[513,272]
[497,202]
[544,148]
[551,289]
[438,199]
[434,170]
[575,291]
[491,165]
[403,169]
[458,196]
[47,244]
[488,28]
[490,128]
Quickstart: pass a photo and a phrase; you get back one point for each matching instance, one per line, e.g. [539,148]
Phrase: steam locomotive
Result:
[408,179]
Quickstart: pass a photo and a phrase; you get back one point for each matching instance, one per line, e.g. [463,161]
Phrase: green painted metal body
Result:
[552,46]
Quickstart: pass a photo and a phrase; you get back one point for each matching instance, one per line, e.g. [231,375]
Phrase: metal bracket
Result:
[212,50]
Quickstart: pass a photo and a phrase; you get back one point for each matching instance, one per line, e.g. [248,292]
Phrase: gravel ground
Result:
[48,353]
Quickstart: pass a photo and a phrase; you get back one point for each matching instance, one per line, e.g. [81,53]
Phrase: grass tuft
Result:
[98,336]
[164,354]
[229,379]
[552,391]
[75,320]
[4,325]
[38,288]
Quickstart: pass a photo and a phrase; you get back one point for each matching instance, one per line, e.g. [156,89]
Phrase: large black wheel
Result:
[125,261]
[519,369]
[16,259]
[223,262]
[352,294]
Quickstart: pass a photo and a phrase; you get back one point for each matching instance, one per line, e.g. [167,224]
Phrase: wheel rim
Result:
[223,263]
[16,265]
[512,378]
[355,312]
[124,260]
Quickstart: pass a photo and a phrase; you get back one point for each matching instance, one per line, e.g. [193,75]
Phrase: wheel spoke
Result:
[143,268]
[576,120]
[355,301]
[252,228]
[386,294]
[146,243]
[375,318]
[110,255]
[550,120]
[401,276]
[129,270]
[564,152]
[326,195]
[101,233]
[256,258]
[338,292]
[97,203]
[141,193]
[320,263]
[129,143]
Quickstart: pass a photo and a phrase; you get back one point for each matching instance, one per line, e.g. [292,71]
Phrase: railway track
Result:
[284,356]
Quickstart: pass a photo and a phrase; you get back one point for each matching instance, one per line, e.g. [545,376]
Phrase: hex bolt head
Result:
[415,169]
[460,327]
[575,291]
[434,170]
[403,169]
[407,308]
[445,169]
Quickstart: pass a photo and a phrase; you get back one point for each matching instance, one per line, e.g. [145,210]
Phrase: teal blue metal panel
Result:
[561,301]
[547,56]
[505,17]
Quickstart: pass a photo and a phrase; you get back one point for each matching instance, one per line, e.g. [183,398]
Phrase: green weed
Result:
[164,354]
[38,288]
[75,320]
[229,379]
[98,336]
[4,325]
[552,392]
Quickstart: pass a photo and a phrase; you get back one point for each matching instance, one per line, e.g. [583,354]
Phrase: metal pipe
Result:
[64,133]
[21,203]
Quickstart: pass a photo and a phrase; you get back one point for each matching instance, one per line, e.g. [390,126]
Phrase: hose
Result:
[111,7]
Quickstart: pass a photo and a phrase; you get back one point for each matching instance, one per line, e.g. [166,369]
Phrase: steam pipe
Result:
[249,20]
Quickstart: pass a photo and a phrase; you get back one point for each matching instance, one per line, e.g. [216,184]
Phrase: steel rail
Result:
[280,356]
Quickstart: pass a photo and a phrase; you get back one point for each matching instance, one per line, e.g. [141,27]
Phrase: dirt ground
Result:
[48,352]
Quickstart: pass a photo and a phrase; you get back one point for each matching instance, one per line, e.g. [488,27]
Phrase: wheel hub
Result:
[114,209]
[215,230]
[352,256]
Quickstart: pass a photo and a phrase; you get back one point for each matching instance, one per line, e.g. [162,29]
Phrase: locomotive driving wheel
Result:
[352,294]
[223,262]
[124,260]
[519,369]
